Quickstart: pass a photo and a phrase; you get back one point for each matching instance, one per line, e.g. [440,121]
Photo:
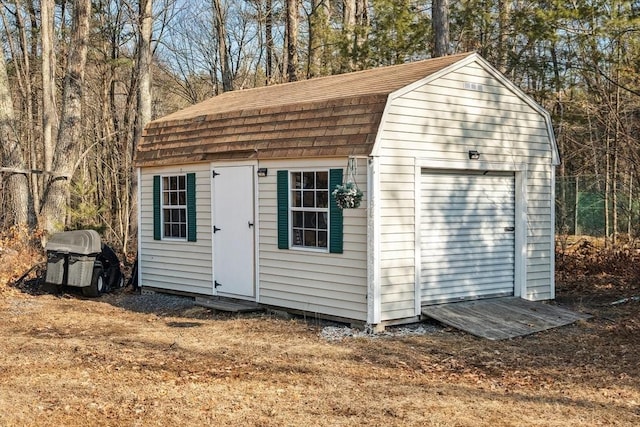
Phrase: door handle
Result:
[509,229]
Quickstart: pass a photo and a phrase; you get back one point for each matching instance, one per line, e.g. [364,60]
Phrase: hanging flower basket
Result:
[347,195]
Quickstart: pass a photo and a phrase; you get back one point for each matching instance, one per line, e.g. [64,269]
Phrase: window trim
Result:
[290,210]
[185,207]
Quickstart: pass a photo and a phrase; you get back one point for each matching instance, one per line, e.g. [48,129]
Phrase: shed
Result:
[457,168]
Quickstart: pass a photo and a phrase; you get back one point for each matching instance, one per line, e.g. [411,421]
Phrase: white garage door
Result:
[467,235]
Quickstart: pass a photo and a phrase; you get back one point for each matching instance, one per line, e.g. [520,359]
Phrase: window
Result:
[174,207]
[304,204]
[309,209]
[169,199]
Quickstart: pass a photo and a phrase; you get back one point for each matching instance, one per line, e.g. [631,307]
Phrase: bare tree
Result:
[268,28]
[144,68]
[49,116]
[70,132]
[504,11]
[440,23]
[292,39]
[12,153]
[219,25]
[318,22]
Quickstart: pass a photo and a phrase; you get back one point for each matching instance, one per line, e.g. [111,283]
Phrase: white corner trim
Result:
[522,224]
[552,254]
[139,207]
[375,151]
[374,291]
[417,251]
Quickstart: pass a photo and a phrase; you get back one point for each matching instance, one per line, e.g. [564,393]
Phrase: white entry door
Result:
[233,231]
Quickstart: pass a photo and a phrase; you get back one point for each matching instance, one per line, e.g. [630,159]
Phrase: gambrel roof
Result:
[323,117]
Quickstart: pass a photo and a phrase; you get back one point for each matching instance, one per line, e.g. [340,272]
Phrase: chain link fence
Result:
[582,207]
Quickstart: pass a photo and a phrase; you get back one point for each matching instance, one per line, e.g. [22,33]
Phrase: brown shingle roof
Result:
[323,117]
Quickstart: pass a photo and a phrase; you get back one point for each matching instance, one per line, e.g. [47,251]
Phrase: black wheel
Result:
[97,286]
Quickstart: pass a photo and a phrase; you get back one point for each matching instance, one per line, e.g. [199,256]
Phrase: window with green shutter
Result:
[174,207]
[308,216]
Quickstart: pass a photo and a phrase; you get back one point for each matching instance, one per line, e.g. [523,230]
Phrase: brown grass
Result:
[70,361]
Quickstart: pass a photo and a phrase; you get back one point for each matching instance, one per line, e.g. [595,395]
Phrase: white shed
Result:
[457,167]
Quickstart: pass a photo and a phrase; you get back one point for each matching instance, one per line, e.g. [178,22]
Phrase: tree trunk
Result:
[607,190]
[348,33]
[143,116]
[144,70]
[360,33]
[12,154]
[503,35]
[49,116]
[440,23]
[268,28]
[318,28]
[69,140]
[221,33]
[292,40]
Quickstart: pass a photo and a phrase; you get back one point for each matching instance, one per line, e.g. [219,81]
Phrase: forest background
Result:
[80,79]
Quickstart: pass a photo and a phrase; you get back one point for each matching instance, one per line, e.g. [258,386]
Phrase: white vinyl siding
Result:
[439,122]
[311,281]
[540,233]
[467,236]
[177,264]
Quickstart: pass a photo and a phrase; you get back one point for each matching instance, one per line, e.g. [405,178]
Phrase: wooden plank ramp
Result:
[227,304]
[502,318]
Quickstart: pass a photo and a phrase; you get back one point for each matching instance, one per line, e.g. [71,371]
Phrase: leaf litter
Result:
[130,359]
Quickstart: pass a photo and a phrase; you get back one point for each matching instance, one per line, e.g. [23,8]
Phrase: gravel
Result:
[339,333]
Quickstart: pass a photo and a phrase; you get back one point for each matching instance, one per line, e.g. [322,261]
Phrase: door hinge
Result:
[214,174]
[216,284]
[216,229]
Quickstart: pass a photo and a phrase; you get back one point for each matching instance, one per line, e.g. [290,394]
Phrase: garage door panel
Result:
[471,275]
[463,293]
[466,235]
[488,286]
[471,261]
[449,238]
[442,197]
[471,214]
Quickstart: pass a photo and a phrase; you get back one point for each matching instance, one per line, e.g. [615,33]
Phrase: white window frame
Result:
[292,208]
[164,206]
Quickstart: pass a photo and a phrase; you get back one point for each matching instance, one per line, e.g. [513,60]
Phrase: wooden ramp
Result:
[502,318]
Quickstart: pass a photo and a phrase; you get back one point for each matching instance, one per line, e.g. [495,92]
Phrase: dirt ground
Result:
[121,360]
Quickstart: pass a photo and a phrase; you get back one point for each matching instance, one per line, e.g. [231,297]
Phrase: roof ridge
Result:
[373,81]
[357,72]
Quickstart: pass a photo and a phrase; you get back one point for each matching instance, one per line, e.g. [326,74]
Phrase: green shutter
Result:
[283,209]
[157,222]
[335,214]
[191,207]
